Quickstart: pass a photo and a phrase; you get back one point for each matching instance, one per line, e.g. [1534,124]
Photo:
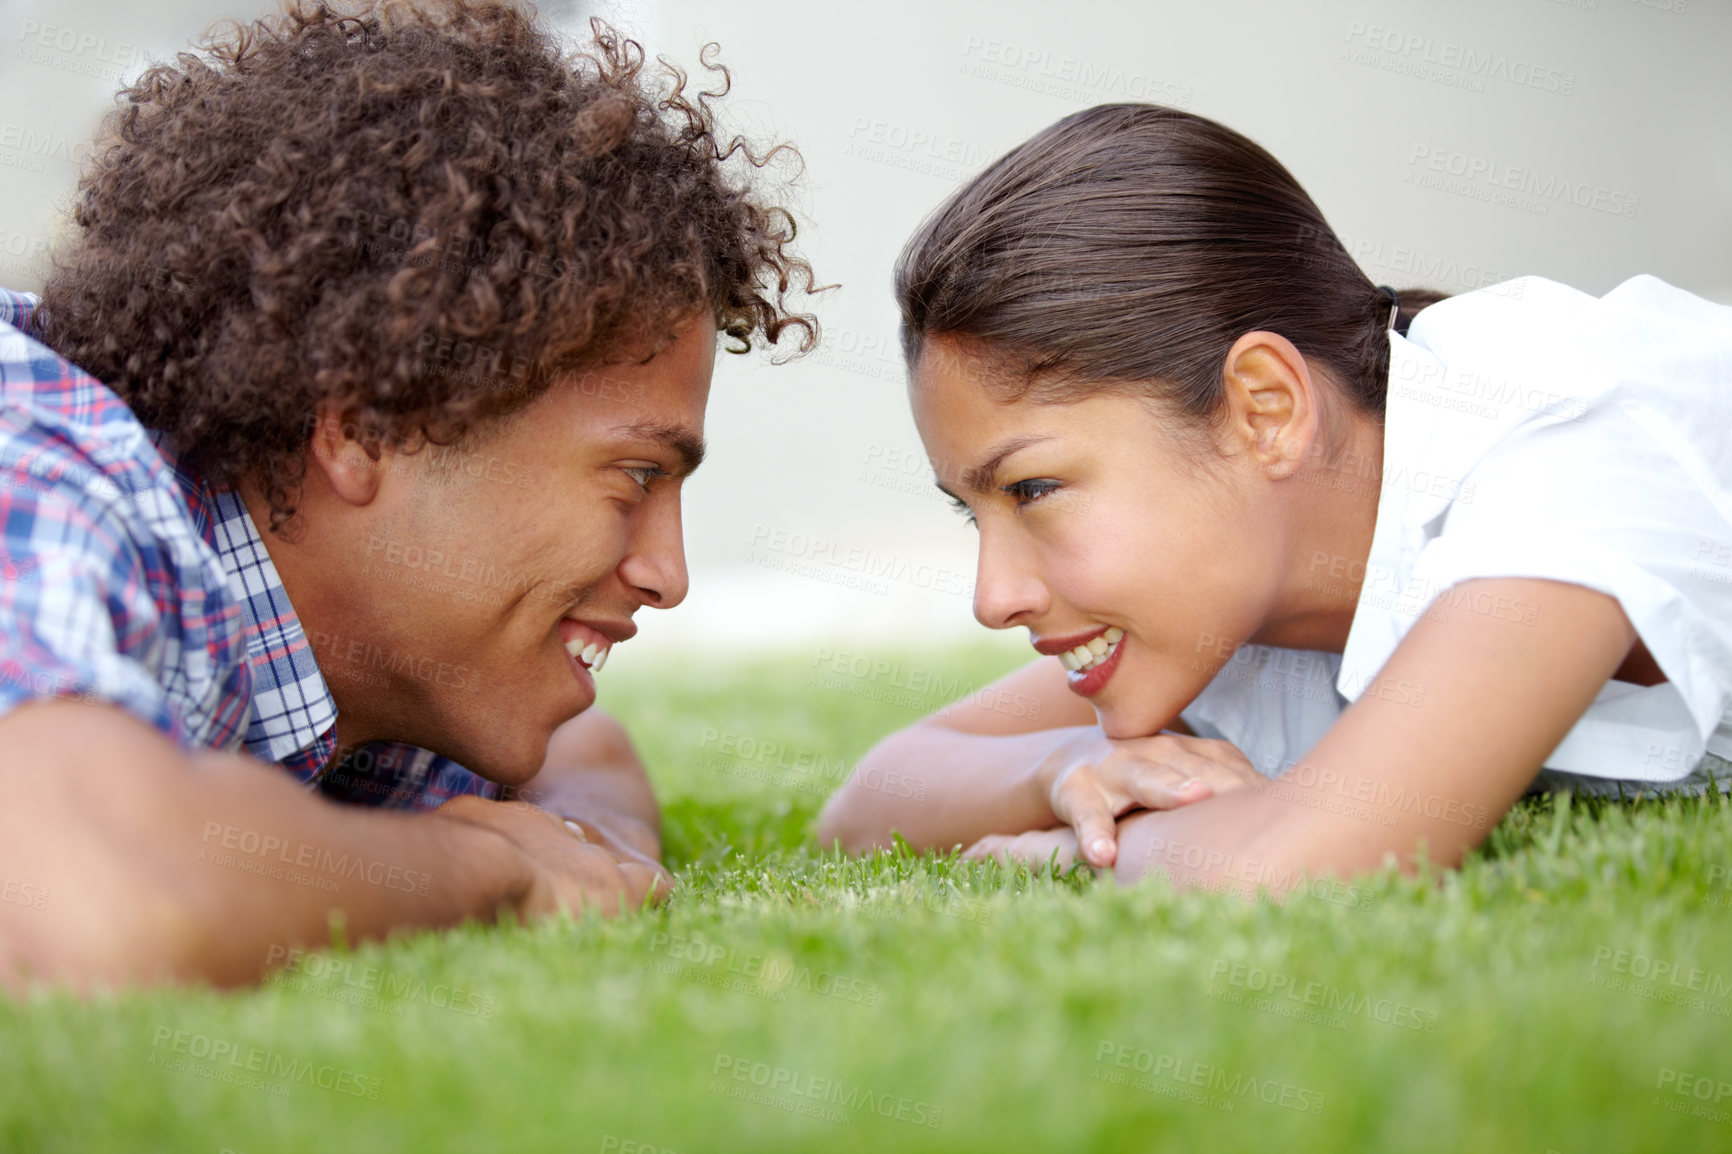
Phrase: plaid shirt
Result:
[125,579]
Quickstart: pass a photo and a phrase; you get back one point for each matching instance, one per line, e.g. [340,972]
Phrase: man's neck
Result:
[299,565]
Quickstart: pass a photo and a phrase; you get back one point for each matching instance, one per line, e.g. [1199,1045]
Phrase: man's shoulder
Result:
[38,383]
[17,310]
[72,441]
[115,592]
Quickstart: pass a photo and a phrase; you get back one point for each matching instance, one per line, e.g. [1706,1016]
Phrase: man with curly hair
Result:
[343,444]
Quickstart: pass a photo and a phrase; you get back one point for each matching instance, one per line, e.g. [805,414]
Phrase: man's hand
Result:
[593,775]
[566,871]
[1096,779]
[623,837]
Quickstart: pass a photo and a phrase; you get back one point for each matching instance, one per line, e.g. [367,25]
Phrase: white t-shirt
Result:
[1535,431]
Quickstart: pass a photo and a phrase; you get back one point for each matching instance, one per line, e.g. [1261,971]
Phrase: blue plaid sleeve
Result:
[73,584]
[108,593]
[393,775]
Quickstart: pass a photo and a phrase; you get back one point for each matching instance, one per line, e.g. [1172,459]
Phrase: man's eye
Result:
[644,474]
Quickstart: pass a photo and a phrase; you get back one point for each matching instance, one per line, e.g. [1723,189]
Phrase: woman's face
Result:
[1100,529]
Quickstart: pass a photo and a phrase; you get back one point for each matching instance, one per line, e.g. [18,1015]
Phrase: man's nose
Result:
[655,559]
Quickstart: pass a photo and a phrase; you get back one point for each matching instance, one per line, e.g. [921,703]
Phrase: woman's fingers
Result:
[987,848]
[1089,804]
[1185,769]
[1036,848]
[1164,785]
[1163,772]
[1090,798]
[1055,846]
[1097,833]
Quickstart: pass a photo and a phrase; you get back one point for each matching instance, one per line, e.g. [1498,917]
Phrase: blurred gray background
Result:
[1451,144]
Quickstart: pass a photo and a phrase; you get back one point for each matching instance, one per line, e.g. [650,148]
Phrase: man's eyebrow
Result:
[980,478]
[681,439]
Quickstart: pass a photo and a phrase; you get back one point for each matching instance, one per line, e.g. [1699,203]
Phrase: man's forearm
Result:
[162,867]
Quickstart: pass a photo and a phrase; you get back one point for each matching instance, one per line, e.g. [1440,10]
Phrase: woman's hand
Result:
[1096,779]
[1037,848]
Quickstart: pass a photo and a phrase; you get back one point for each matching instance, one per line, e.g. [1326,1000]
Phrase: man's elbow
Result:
[152,937]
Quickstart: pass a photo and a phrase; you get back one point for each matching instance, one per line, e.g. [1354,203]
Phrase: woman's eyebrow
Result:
[682,439]
[981,478]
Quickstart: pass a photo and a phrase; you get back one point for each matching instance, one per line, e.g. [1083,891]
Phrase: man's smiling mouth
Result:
[592,655]
[589,644]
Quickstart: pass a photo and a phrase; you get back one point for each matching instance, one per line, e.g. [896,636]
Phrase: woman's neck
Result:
[1335,510]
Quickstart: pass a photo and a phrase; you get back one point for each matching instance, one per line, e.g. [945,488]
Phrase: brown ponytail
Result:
[1131,245]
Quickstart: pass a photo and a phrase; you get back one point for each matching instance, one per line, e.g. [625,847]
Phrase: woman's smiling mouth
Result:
[1089,658]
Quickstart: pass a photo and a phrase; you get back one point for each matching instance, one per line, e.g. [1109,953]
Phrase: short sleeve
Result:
[71,586]
[1582,441]
[1272,704]
[1604,502]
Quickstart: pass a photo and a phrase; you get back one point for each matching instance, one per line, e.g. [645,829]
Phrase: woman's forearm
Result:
[940,788]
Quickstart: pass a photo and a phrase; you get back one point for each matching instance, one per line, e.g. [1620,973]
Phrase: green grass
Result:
[984,999]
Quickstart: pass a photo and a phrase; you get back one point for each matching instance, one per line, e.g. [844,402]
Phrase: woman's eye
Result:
[1028,492]
[644,474]
[961,506]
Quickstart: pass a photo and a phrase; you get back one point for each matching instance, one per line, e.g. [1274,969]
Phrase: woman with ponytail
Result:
[1320,573]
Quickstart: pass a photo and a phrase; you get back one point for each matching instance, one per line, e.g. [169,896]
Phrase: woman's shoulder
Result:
[1534,313]
[1645,342]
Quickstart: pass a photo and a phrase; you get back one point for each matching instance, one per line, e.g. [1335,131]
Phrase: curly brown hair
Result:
[421,212]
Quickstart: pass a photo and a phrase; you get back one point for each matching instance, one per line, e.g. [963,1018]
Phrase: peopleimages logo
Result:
[1473,172]
[229,1061]
[1457,64]
[790,1090]
[1290,996]
[304,859]
[1224,1087]
[866,563]
[772,975]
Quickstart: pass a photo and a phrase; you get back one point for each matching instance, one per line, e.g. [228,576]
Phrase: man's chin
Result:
[515,761]
[509,770]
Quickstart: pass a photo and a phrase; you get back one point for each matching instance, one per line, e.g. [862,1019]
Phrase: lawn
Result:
[1569,990]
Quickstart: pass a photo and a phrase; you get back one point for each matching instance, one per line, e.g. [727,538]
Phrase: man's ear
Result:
[1273,403]
[347,453]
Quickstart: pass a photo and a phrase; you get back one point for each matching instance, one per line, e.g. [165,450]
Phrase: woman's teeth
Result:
[1085,657]
[592,655]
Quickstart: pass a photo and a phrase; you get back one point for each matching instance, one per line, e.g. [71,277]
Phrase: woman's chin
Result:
[1122,724]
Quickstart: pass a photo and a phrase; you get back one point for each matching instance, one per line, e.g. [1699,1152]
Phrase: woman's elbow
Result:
[840,822]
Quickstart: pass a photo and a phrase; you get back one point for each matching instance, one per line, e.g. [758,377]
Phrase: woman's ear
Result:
[1272,403]
[348,454]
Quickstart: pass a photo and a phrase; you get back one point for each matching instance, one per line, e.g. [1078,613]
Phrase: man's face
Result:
[483,581]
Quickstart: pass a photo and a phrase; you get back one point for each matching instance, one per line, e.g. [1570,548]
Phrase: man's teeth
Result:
[592,655]
[1085,657]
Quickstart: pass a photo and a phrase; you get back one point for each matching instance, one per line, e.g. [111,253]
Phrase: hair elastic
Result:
[1394,304]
